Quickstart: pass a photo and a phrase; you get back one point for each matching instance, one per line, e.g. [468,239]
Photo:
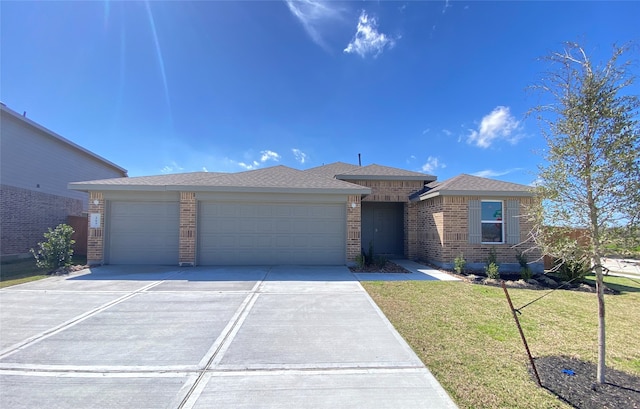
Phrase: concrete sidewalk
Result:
[417,272]
[205,337]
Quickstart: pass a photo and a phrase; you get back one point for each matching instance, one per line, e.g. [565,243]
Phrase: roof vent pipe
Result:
[359,160]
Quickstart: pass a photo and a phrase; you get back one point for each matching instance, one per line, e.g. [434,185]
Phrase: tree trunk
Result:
[600,376]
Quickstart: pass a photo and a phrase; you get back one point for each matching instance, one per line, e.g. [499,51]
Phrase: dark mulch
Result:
[580,390]
[389,267]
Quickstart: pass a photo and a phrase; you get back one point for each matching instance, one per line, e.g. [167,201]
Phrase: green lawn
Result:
[24,270]
[465,334]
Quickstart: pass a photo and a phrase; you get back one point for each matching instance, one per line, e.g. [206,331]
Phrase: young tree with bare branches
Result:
[591,176]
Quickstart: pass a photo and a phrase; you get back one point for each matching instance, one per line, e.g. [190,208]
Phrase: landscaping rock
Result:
[533,282]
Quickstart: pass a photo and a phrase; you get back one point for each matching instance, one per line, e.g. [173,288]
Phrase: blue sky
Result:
[165,87]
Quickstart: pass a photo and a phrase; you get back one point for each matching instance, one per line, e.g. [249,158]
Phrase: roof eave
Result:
[85,187]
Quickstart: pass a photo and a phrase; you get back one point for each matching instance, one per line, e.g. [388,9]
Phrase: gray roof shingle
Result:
[474,185]
[345,171]
[272,179]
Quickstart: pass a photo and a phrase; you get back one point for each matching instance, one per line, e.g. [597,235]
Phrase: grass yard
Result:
[465,334]
[24,270]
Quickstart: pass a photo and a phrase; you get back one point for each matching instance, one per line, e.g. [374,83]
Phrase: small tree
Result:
[591,178]
[57,251]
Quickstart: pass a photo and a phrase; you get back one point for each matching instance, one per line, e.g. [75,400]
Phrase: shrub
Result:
[525,273]
[492,270]
[360,261]
[380,261]
[572,269]
[57,251]
[459,263]
[492,267]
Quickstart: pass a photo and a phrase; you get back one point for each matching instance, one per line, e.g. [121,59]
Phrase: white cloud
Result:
[204,169]
[300,156]
[249,166]
[269,155]
[490,173]
[447,132]
[314,16]
[432,164]
[426,131]
[173,167]
[499,124]
[367,40]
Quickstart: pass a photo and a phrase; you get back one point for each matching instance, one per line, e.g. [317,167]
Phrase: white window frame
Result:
[502,239]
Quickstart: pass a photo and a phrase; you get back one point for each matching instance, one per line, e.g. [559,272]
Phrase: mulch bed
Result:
[389,267]
[573,381]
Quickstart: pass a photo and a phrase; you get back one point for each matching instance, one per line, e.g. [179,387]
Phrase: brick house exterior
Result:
[36,165]
[436,219]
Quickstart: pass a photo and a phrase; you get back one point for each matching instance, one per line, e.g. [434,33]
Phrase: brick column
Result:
[411,230]
[354,245]
[188,210]
[95,238]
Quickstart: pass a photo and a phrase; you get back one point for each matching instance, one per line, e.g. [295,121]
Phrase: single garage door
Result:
[271,233]
[143,233]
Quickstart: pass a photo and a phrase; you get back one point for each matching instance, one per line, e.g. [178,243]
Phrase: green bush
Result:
[573,269]
[360,261]
[492,270]
[459,264]
[57,251]
[525,273]
[380,261]
[492,267]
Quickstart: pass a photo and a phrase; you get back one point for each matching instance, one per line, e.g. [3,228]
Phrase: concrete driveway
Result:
[224,337]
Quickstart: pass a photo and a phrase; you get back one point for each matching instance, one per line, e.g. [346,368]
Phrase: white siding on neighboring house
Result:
[34,160]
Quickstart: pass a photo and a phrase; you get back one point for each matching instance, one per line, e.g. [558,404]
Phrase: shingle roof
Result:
[345,171]
[272,179]
[474,185]
[375,171]
[332,169]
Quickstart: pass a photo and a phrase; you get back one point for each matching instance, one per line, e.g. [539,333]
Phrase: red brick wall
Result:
[25,215]
[95,242]
[354,215]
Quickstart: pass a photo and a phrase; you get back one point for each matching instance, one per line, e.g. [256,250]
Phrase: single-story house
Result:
[324,215]
[36,165]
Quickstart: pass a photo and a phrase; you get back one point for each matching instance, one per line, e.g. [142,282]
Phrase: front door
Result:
[383,227]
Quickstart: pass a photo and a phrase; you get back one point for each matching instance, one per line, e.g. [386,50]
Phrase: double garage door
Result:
[271,233]
[229,233]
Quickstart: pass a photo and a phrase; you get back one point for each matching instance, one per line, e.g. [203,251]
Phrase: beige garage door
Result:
[143,233]
[271,233]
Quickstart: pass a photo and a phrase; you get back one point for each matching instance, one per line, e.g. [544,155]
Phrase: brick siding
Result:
[443,232]
[25,215]
[95,241]
[188,220]
[354,215]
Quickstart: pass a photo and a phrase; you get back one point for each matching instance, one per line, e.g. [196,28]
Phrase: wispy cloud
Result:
[447,132]
[265,156]
[490,173]
[433,163]
[314,16]
[269,155]
[173,167]
[300,156]
[367,40]
[497,125]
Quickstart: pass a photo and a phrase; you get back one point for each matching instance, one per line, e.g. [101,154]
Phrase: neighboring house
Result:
[324,215]
[36,166]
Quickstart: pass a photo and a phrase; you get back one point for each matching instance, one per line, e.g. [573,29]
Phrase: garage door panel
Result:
[143,232]
[271,233]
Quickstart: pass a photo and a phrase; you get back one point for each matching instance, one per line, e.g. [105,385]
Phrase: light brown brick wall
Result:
[389,190]
[354,215]
[188,221]
[443,232]
[95,241]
